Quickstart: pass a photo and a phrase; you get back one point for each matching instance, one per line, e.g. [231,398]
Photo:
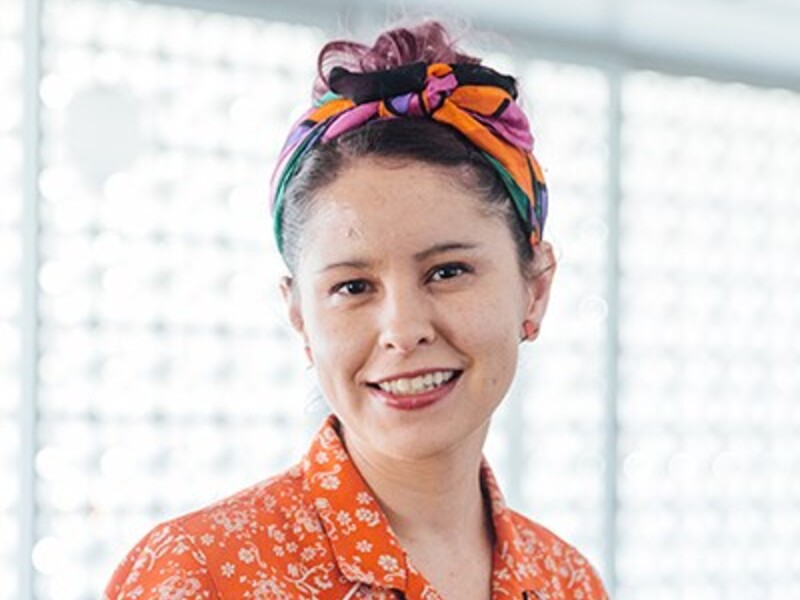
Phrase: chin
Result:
[426,441]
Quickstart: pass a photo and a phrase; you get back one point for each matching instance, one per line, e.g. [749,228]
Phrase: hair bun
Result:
[428,42]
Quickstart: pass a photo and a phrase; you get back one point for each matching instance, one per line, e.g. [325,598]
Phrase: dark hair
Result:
[402,139]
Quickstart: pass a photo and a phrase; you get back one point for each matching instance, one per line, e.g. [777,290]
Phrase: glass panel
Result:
[710,329]
[164,355]
[11,153]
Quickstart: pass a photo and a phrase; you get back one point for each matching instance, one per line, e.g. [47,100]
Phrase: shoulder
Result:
[166,563]
[240,516]
[274,515]
[209,550]
[565,570]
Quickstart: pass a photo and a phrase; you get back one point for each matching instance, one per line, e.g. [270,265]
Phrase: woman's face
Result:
[402,273]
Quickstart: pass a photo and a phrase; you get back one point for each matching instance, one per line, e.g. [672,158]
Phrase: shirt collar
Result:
[365,547]
[512,567]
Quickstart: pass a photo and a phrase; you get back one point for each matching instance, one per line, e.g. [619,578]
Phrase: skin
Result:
[370,306]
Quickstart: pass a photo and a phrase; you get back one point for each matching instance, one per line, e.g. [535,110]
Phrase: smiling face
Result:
[403,272]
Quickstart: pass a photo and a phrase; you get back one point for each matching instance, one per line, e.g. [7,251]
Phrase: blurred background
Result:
[146,367]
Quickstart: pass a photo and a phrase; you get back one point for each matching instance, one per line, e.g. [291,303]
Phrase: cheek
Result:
[492,321]
[339,345]
[491,331]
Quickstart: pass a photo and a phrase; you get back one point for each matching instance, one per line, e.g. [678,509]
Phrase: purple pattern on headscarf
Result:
[400,104]
[312,133]
[296,136]
[543,204]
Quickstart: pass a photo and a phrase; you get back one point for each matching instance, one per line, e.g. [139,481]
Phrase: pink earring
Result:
[529,330]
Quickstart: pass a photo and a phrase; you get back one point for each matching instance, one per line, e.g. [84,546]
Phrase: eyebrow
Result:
[419,256]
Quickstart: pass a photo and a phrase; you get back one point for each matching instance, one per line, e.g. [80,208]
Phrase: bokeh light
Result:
[168,378]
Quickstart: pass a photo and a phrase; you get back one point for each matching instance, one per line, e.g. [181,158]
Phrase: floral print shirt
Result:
[317,532]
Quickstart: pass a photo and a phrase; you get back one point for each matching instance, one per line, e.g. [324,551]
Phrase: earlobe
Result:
[529,331]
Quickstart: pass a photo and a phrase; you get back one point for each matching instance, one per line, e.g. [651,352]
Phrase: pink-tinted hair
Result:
[428,42]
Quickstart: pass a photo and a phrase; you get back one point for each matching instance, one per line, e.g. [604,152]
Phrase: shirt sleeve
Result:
[164,564]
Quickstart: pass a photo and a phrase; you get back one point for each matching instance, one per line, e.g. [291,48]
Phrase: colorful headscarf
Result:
[475,100]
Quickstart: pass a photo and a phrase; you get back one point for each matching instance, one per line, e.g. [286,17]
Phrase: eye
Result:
[354,287]
[449,271]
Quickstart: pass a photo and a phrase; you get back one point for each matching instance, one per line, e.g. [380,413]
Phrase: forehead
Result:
[392,202]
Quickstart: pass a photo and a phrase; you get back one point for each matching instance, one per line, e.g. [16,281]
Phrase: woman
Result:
[409,210]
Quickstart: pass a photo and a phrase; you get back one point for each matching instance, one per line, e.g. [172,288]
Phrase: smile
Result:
[417,385]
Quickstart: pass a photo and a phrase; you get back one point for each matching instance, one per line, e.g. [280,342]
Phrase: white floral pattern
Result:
[317,532]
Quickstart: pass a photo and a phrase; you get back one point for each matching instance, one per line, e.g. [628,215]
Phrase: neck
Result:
[436,498]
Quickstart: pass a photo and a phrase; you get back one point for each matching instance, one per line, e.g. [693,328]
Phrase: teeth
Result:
[417,385]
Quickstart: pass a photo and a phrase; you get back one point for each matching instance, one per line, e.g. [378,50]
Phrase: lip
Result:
[416,401]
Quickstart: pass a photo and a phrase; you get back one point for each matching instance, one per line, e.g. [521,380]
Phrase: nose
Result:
[405,319]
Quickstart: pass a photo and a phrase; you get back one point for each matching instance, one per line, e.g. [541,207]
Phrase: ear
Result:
[292,300]
[539,284]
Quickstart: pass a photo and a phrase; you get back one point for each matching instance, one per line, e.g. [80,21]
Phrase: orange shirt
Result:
[317,532]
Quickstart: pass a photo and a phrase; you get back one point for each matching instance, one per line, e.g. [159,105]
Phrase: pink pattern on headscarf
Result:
[350,119]
[438,85]
[512,126]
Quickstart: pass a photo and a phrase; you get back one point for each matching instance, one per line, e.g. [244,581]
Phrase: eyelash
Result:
[464,268]
[461,266]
